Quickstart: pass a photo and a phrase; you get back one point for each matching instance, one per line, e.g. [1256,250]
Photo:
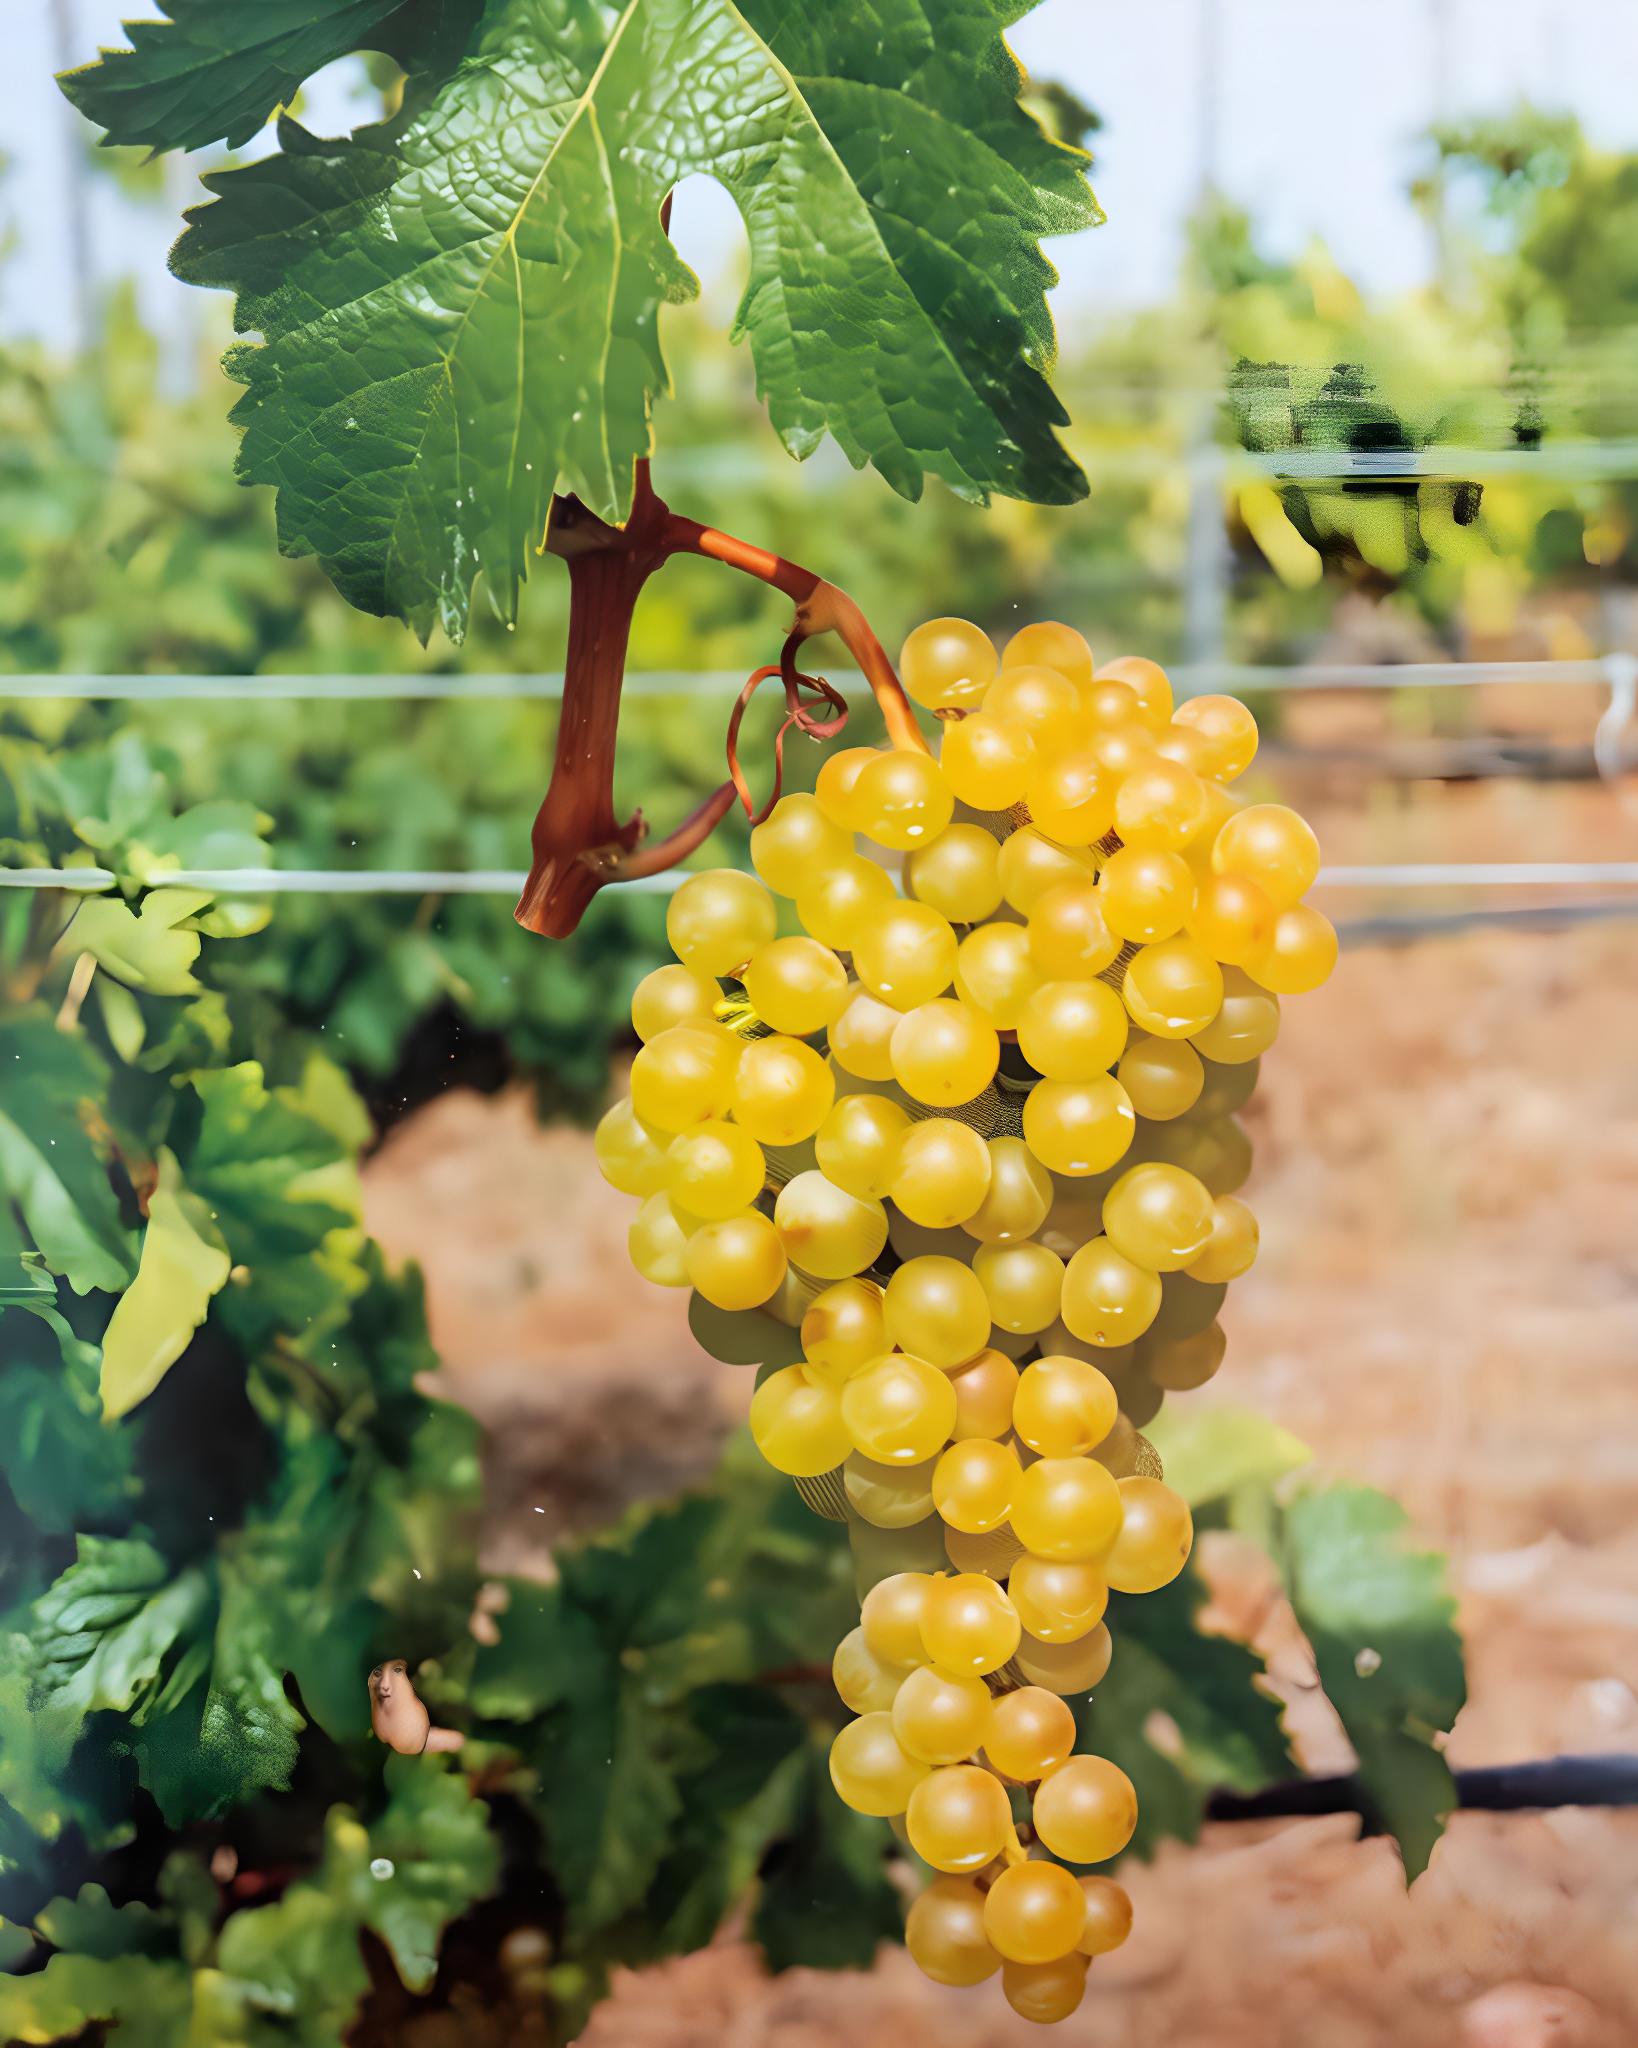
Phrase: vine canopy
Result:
[456,309]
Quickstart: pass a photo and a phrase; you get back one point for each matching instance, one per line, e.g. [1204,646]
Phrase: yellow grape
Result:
[948,662]
[861,1039]
[796,985]
[1072,1030]
[984,1393]
[937,1309]
[1058,1601]
[945,1934]
[1075,1218]
[944,1173]
[1107,1299]
[1181,1363]
[1274,847]
[1046,704]
[1221,805]
[717,1169]
[974,1483]
[1163,1076]
[1031,1732]
[1232,1247]
[1045,1992]
[797,1426]
[1228,730]
[1147,681]
[1112,706]
[1068,1668]
[783,1090]
[1124,749]
[899,1411]
[1086,1813]
[1300,954]
[958,874]
[1068,939]
[1145,893]
[826,1231]
[1156,1536]
[859,1143]
[656,1244]
[1030,864]
[1159,804]
[717,919]
[1063,1406]
[1214,1149]
[1159,1216]
[1108,1916]
[888,1496]
[1078,1127]
[905,953]
[865,1683]
[737,1262]
[958,1819]
[1023,1283]
[1184,745]
[1067,1509]
[843,1331]
[1232,919]
[834,785]
[673,995]
[870,1771]
[1050,645]
[685,1076]
[629,1156]
[834,901]
[891,1615]
[901,800]
[1173,989]
[794,841]
[968,1624]
[940,1719]
[1245,1026]
[994,973]
[1034,1912]
[1228,1087]
[1072,799]
[944,1054]
[988,762]
[1020,1195]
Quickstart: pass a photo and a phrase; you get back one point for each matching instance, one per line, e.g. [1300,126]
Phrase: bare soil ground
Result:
[1446,1306]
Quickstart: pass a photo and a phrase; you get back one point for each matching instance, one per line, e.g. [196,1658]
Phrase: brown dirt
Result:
[1446,1306]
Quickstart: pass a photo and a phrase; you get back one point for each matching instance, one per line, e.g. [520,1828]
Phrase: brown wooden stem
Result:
[577,843]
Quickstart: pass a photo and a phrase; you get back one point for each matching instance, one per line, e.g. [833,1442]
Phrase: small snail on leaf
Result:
[398,1716]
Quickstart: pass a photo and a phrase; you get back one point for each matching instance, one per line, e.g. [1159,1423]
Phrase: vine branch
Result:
[577,843]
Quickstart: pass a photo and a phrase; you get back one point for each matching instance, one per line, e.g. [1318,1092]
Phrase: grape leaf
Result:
[49,1165]
[150,1997]
[217,68]
[459,307]
[182,1266]
[1382,1628]
[144,949]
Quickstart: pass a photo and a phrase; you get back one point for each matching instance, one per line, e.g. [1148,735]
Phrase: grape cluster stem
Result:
[578,844]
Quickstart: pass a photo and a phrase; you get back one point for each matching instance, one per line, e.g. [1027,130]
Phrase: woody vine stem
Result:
[577,843]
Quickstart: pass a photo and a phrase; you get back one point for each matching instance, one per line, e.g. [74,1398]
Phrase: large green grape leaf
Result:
[458,308]
[215,72]
[1382,1626]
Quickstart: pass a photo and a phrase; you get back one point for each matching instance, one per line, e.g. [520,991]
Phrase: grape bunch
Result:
[955,1164]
